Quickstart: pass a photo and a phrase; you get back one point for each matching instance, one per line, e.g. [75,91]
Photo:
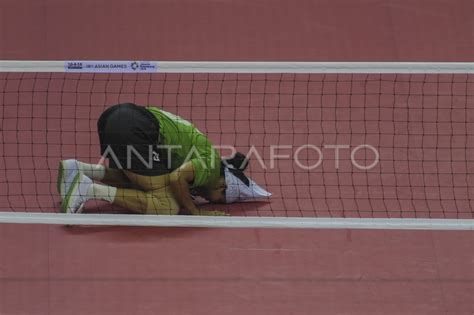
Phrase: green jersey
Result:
[185,142]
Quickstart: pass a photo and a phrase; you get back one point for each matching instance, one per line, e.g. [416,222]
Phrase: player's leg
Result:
[116,177]
[157,201]
[157,197]
[121,128]
[68,169]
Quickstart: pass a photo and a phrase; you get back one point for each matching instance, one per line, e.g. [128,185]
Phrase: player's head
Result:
[234,185]
[216,192]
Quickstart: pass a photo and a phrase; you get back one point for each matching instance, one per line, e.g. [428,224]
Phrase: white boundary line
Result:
[257,67]
[236,222]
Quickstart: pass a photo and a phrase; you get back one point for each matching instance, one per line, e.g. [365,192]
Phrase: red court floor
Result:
[55,270]
[128,270]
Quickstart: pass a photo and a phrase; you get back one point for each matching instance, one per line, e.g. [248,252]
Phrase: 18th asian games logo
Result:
[135,65]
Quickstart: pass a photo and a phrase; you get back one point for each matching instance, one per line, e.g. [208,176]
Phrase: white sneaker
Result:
[77,195]
[68,169]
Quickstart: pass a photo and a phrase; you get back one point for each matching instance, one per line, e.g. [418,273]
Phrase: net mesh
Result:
[405,142]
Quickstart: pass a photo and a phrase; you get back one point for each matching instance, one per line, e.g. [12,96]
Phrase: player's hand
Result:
[212,213]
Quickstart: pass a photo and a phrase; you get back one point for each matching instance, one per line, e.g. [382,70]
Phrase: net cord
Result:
[261,67]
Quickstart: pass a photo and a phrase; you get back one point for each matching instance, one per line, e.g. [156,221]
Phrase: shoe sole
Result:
[60,181]
[65,203]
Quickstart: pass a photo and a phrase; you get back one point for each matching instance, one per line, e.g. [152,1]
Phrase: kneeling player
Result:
[156,160]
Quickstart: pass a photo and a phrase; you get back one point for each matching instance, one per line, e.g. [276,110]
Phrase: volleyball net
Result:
[369,145]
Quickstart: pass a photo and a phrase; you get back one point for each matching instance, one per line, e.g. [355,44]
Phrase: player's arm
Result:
[180,180]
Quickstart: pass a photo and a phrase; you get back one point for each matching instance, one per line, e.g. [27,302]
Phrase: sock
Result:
[94,171]
[99,191]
